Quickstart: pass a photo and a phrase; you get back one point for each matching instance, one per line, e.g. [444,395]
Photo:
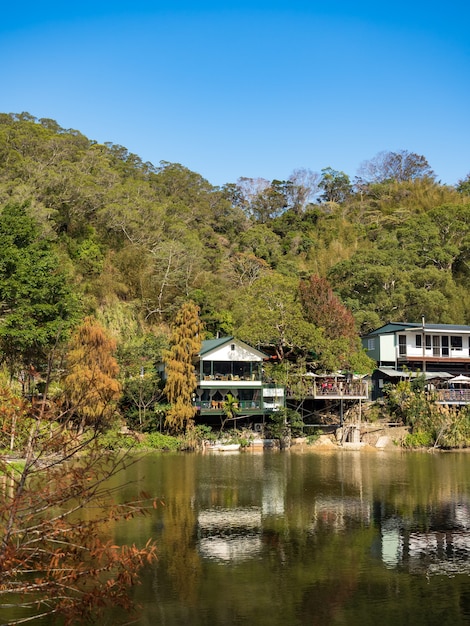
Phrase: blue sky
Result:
[254,89]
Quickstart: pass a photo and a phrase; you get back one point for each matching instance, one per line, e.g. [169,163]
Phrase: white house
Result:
[229,367]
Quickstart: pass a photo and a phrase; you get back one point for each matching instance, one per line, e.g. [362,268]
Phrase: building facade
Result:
[227,367]
[437,351]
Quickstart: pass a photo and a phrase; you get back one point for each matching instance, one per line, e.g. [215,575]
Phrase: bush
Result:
[418,439]
[159,441]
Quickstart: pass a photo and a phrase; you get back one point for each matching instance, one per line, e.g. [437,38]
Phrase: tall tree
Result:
[336,185]
[324,309]
[36,301]
[269,314]
[91,386]
[395,166]
[185,345]
[303,189]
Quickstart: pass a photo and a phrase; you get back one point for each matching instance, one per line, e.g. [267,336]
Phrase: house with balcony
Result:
[229,367]
[438,351]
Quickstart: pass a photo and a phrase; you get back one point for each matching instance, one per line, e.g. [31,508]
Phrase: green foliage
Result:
[418,439]
[154,236]
[313,437]
[431,424]
[15,421]
[284,424]
[160,441]
[37,305]
[336,185]
[132,242]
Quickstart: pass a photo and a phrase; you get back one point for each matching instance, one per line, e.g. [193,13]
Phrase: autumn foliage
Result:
[91,386]
[56,516]
[325,309]
[185,344]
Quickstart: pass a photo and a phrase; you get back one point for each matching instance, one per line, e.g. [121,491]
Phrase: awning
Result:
[393,373]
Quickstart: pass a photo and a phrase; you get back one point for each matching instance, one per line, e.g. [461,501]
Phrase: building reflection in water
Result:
[229,534]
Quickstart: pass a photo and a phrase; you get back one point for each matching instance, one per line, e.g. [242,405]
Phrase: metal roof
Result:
[393,373]
[393,327]
[209,345]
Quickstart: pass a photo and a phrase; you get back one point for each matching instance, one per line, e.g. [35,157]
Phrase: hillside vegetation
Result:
[298,267]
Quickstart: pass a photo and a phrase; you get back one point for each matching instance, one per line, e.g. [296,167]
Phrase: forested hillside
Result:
[272,262]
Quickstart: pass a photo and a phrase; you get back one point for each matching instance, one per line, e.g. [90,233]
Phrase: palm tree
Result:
[230,409]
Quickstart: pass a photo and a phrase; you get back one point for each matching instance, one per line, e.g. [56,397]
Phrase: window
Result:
[402,345]
[445,346]
[418,341]
[232,347]
[456,343]
[371,344]
[428,342]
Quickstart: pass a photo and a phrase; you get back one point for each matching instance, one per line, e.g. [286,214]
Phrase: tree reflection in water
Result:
[308,538]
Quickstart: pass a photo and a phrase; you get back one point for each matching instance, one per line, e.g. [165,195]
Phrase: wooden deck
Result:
[326,391]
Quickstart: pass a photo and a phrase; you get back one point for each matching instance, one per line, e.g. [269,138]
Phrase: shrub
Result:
[418,439]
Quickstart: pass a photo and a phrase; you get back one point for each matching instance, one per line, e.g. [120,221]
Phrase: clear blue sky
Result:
[241,88]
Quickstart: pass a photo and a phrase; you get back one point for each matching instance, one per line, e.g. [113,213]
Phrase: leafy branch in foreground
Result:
[56,514]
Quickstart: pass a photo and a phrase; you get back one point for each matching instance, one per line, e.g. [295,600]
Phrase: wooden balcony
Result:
[331,390]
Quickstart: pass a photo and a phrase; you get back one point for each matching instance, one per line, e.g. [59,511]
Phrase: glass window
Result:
[418,341]
[456,343]
[401,345]
[445,346]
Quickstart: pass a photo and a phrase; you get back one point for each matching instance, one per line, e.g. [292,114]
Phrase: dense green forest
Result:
[299,266]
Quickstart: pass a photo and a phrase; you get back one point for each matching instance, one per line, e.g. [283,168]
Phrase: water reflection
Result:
[229,534]
[306,538]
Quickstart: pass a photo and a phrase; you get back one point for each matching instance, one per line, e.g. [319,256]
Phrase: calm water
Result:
[305,538]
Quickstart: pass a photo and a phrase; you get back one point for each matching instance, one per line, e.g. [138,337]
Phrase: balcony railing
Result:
[336,389]
[453,396]
[215,405]
[228,377]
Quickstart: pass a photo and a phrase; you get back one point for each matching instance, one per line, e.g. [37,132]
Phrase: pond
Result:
[294,538]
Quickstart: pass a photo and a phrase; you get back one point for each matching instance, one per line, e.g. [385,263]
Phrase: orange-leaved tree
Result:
[185,345]
[91,386]
[57,509]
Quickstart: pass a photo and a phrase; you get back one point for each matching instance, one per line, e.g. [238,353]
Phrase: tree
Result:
[56,559]
[303,189]
[395,166]
[91,386]
[324,309]
[142,388]
[260,199]
[230,410]
[336,185]
[269,314]
[36,301]
[463,185]
[185,345]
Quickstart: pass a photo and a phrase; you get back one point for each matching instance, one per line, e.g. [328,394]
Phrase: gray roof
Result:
[393,373]
[393,327]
